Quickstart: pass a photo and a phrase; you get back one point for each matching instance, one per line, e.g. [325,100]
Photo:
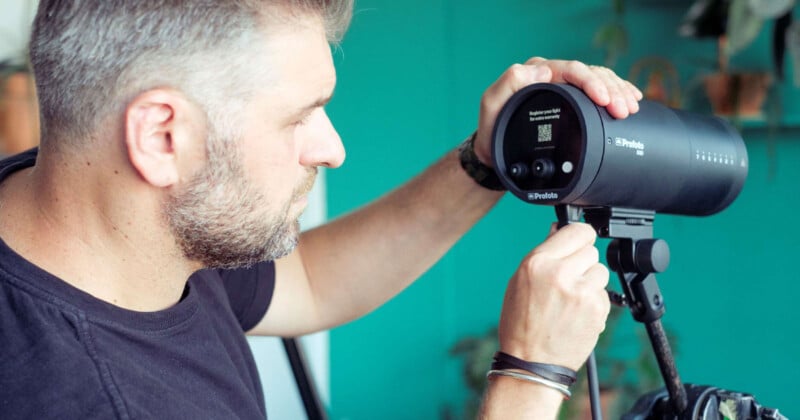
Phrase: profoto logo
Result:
[630,144]
[543,196]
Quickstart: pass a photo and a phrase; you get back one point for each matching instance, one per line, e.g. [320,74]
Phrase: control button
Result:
[543,168]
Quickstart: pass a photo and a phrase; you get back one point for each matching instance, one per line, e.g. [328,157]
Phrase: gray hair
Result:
[91,57]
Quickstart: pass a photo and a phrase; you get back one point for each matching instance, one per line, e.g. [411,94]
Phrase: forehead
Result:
[300,63]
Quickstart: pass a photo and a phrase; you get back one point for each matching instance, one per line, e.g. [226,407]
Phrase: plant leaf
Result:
[705,18]
[464,345]
[613,38]
[743,26]
[770,9]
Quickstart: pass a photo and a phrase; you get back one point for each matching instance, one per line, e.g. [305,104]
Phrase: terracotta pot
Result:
[737,94]
[19,114]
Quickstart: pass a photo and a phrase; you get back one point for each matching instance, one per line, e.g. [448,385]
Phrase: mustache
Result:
[307,183]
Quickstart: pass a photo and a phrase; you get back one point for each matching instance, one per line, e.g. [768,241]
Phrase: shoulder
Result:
[46,369]
[247,290]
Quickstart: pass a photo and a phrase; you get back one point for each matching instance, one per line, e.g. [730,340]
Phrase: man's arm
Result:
[348,267]
[554,309]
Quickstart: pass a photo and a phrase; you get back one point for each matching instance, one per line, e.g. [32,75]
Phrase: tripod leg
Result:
[666,363]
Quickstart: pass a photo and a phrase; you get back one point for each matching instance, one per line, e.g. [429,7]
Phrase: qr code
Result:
[545,133]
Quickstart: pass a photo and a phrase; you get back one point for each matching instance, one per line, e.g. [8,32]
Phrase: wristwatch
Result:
[484,175]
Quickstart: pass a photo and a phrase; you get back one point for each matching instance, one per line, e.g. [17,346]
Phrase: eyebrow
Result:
[321,102]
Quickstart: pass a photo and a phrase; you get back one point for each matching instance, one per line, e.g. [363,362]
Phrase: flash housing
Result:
[553,145]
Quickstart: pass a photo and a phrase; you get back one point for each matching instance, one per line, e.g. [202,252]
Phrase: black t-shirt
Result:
[67,355]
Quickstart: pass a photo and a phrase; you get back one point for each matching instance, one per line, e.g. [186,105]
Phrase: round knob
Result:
[652,255]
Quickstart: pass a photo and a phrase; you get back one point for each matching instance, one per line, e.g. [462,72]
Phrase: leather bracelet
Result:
[484,175]
[555,373]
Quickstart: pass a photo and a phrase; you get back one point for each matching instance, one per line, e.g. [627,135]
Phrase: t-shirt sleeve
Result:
[249,291]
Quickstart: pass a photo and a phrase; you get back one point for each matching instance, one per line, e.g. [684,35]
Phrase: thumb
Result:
[514,79]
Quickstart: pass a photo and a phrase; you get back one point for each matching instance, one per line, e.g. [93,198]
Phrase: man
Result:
[178,136]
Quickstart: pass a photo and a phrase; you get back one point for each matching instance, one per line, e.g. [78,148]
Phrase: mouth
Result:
[300,194]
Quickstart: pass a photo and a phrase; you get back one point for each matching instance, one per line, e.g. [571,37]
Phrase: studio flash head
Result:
[553,145]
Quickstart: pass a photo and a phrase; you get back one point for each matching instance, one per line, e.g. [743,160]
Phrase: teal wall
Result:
[411,74]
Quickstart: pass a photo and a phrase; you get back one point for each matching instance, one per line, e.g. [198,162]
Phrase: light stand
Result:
[636,256]
[305,385]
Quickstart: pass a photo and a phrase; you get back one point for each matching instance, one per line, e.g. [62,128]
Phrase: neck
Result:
[70,219]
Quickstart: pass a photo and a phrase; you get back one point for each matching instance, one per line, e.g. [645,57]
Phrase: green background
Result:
[411,74]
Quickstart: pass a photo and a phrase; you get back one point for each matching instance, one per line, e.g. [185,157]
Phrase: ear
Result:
[159,130]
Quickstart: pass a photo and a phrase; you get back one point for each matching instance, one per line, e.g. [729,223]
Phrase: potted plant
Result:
[735,24]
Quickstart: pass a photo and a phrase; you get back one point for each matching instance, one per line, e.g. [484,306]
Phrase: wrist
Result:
[508,397]
[484,155]
[559,375]
[482,174]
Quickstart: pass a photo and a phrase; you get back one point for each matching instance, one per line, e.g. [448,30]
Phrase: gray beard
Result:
[220,220]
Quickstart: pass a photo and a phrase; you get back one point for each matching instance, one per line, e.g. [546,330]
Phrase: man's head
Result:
[220,217]
[91,57]
[249,78]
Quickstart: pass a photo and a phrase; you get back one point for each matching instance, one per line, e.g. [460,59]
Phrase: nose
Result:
[322,146]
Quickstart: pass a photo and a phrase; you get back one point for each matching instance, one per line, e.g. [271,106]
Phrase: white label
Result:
[630,144]
[544,114]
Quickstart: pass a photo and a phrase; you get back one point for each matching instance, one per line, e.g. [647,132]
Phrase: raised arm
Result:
[350,266]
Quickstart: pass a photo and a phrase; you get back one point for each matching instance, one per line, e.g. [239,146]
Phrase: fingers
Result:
[595,281]
[515,78]
[602,85]
[567,240]
[579,262]
[556,305]
[553,229]
[596,277]
[624,96]
[575,246]
[580,268]
[511,81]
[591,79]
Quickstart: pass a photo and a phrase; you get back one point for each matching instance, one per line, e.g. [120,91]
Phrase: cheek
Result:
[274,148]
[270,163]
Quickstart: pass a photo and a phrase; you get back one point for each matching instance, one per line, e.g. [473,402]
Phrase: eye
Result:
[307,116]
[303,120]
